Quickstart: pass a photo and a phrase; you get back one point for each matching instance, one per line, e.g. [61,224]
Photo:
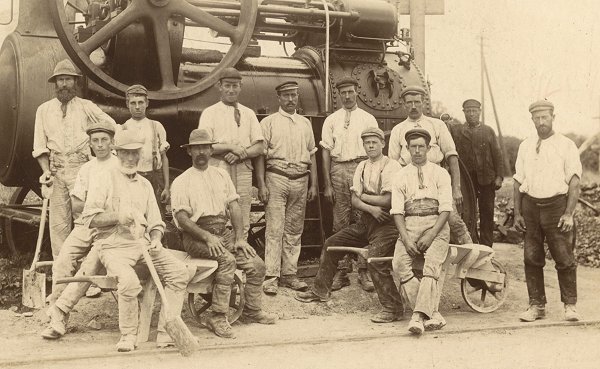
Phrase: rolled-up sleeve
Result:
[265,126]
[164,145]
[207,122]
[394,144]
[387,176]
[40,141]
[398,197]
[445,140]
[179,200]
[310,139]
[256,133]
[572,162]
[444,191]
[96,201]
[357,185]
[231,194]
[327,141]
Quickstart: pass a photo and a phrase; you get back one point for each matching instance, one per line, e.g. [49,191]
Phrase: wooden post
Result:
[417,30]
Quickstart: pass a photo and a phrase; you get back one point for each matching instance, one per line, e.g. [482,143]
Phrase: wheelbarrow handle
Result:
[356,250]
[381,259]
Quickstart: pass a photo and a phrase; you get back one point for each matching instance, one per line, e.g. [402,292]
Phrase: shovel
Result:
[34,283]
[174,325]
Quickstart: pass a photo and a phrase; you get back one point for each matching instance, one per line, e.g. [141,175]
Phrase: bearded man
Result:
[61,145]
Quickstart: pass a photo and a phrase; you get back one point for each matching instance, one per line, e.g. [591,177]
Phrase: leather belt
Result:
[421,213]
[287,175]
[214,224]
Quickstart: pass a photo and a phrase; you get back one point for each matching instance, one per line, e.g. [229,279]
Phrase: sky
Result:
[533,48]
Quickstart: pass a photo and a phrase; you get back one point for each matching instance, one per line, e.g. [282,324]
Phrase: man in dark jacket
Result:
[478,148]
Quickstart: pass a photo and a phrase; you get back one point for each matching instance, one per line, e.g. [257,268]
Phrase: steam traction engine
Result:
[169,46]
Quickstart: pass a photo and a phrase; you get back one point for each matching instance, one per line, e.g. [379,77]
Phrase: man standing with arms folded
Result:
[441,148]
[546,189]
[371,193]
[61,147]
[239,136]
[284,188]
[479,150]
[342,151]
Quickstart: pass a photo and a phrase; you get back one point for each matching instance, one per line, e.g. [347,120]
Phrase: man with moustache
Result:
[546,190]
[61,147]
[342,151]
[371,193]
[154,163]
[480,152]
[239,136]
[284,188]
[123,211]
[204,201]
[441,148]
[78,243]
[421,203]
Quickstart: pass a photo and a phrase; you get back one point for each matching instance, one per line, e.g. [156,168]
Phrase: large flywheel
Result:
[116,15]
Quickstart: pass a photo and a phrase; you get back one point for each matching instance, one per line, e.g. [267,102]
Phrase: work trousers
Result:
[70,294]
[241,175]
[425,298]
[541,219]
[459,233]
[486,196]
[380,239]
[75,248]
[284,215]
[120,260]
[61,216]
[227,264]
[342,175]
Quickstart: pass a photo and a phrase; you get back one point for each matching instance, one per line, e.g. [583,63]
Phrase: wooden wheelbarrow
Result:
[484,281]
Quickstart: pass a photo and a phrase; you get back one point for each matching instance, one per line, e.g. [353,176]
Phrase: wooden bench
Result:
[200,284]
[484,284]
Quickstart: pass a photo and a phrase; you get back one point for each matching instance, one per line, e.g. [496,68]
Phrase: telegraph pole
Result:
[482,80]
[417,30]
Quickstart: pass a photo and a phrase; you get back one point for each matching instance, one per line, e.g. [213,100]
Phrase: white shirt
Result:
[441,145]
[436,182]
[547,173]
[88,173]
[288,138]
[202,193]
[155,136]
[345,143]
[375,177]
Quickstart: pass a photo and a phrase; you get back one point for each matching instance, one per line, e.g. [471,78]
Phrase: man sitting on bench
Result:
[371,193]
[122,207]
[421,203]
[203,199]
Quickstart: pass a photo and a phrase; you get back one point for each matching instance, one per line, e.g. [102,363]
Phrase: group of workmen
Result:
[106,209]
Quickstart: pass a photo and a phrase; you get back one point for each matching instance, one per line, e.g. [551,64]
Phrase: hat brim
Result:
[129,146]
[372,135]
[196,143]
[53,77]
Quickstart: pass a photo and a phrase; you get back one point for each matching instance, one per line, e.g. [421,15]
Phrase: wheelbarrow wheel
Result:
[198,303]
[483,297]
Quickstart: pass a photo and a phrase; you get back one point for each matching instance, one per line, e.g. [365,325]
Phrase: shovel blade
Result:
[34,289]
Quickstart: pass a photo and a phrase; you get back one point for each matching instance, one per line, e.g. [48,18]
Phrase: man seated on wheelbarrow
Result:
[371,193]
[123,210]
[203,199]
[421,203]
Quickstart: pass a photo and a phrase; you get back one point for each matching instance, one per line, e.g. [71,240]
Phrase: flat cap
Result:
[418,132]
[126,139]
[137,90]
[64,68]
[285,86]
[413,90]
[541,105]
[230,73]
[373,131]
[346,81]
[101,126]
[471,103]
[200,137]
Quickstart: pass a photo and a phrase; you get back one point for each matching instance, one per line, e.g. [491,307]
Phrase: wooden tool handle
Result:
[40,237]
[157,282]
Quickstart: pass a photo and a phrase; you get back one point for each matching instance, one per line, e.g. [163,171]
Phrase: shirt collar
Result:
[351,109]
[291,116]
[416,121]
